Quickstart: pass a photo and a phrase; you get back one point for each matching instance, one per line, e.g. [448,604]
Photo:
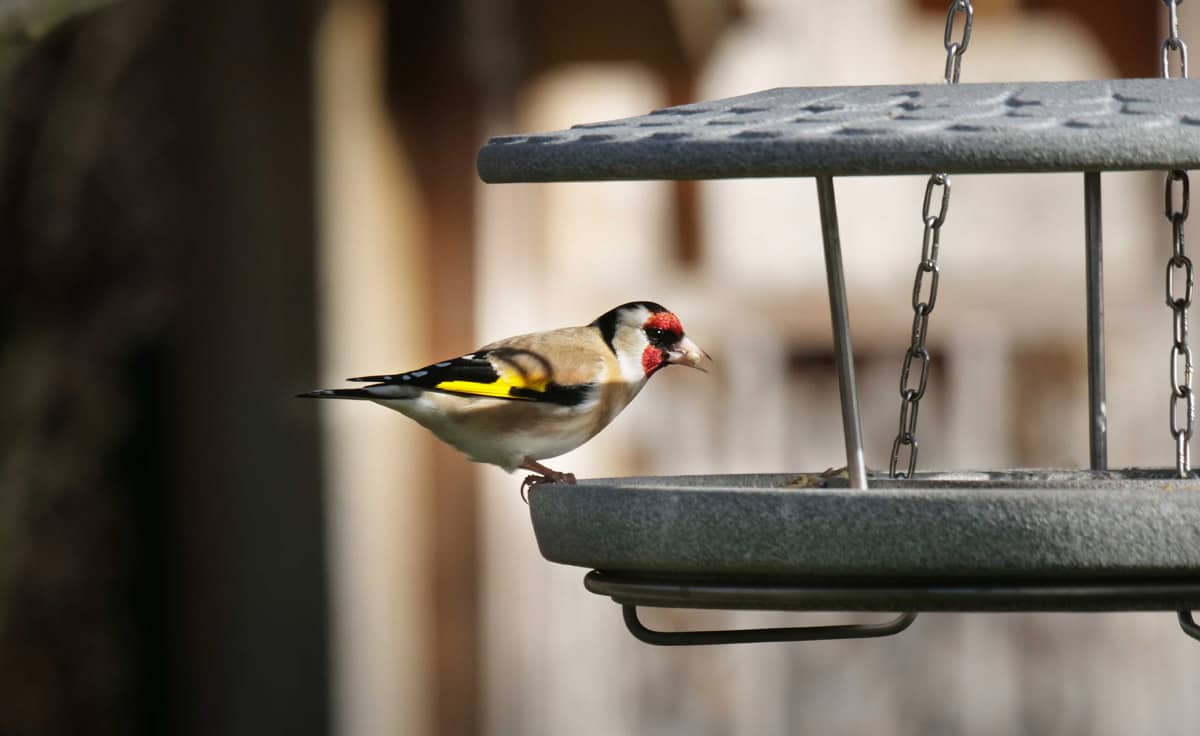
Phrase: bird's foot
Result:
[545,475]
[529,482]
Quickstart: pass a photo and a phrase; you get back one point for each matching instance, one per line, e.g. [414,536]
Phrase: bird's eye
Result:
[660,337]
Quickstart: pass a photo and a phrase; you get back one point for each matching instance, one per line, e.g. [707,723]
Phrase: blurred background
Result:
[208,207]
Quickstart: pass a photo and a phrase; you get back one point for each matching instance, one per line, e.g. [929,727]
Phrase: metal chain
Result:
[1177,198]
[1179,268]
[910,396]
[956,49]
[1173,42]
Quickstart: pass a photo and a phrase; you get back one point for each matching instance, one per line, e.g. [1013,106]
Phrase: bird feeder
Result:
[1053,540]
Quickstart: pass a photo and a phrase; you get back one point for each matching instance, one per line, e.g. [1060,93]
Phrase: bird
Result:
[532,397]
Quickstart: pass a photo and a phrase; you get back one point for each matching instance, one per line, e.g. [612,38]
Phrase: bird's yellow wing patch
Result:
[517,377]
[501,388]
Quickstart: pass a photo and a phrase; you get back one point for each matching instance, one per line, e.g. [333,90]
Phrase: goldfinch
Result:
[532,397]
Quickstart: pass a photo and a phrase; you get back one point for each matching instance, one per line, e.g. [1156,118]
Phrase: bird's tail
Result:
[337,393]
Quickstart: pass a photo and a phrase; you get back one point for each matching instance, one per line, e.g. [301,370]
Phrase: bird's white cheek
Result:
[631,368]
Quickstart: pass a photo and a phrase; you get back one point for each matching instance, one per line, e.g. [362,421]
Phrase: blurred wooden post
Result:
[247,587]
[438,109]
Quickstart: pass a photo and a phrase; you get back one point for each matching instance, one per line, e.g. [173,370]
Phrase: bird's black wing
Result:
[500,373]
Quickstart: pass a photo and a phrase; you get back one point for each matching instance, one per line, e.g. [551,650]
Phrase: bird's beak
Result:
[686,352]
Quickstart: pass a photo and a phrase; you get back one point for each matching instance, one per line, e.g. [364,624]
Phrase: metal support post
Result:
[842,350]
[1097,406]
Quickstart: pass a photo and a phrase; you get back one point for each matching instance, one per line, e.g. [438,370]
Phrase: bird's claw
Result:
[533,480]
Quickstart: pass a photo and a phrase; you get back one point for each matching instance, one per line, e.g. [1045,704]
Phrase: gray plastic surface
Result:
[1037,525]
[898,129]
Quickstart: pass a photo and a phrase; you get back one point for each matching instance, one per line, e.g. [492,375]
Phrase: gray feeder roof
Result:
[895,129]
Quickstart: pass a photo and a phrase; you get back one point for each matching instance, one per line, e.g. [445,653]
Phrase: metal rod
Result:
[1189,625]
[753,636]
[843,352]
[1097,406]
[974,593]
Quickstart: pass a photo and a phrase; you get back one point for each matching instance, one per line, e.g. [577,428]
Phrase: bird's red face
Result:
[668,345]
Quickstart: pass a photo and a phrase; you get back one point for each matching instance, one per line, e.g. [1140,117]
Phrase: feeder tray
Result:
[999,541]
